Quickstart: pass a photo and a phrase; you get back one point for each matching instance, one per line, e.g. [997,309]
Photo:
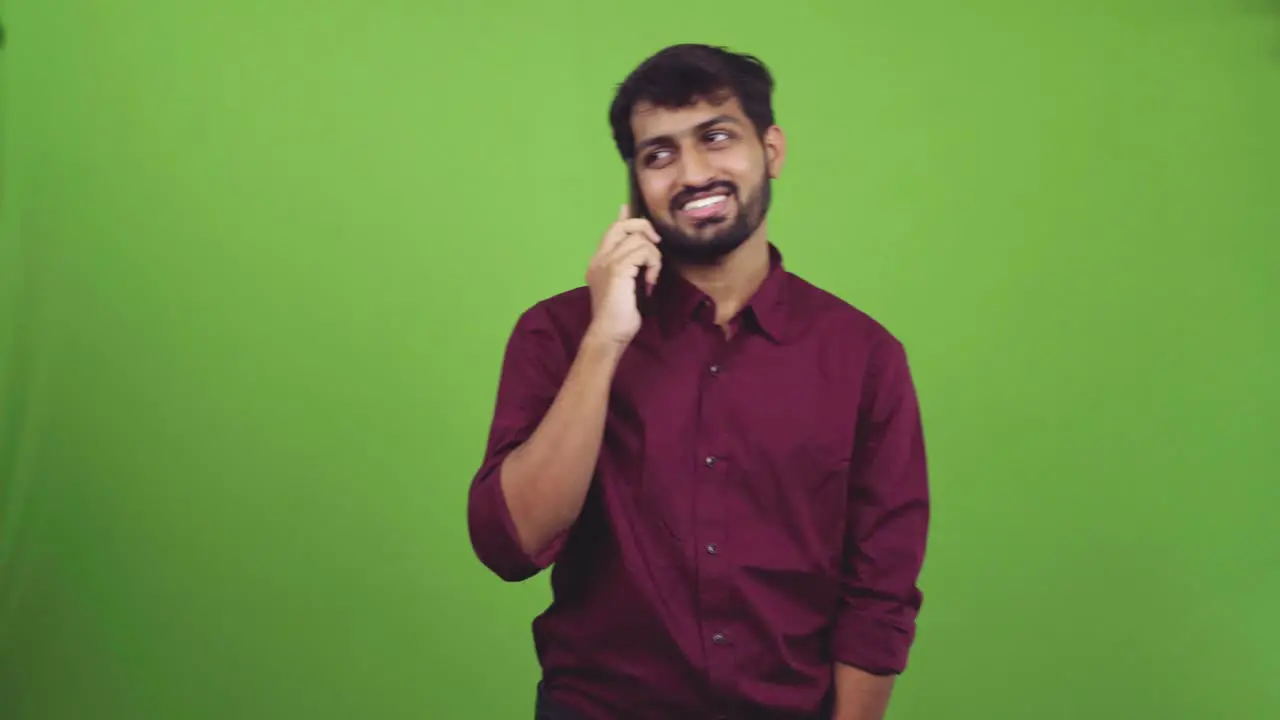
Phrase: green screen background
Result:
[260,257]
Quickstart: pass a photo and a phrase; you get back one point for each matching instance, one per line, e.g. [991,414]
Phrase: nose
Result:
[695,170]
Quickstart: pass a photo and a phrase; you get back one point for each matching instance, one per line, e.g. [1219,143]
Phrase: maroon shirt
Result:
[759,508]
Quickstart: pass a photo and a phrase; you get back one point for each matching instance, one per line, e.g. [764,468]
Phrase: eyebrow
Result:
[700,127]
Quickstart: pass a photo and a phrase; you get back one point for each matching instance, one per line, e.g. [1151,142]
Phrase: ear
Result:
[775,151]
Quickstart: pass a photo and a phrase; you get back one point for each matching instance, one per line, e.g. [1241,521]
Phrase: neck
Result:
[732,280]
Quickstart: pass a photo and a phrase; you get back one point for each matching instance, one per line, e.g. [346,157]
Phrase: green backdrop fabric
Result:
[260,258]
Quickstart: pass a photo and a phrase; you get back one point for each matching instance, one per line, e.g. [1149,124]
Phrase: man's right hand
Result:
[629,245]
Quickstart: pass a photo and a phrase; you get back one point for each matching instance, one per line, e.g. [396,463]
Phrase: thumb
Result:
[651,276]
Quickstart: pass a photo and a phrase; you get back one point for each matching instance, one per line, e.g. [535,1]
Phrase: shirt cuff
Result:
[494,536]
[873,644]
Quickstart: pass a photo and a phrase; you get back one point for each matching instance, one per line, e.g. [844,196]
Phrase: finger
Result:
[640,225]
[619,233]
[625,248]
[613,237]
[624,213]
[644,256]
[651,272]
[610,239]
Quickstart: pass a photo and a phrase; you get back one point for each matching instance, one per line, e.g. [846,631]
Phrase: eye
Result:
[718,136]
[656,157]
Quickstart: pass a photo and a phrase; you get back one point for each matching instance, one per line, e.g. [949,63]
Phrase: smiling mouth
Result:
[706,207]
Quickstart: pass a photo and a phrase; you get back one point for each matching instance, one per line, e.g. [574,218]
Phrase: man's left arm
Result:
[885,541]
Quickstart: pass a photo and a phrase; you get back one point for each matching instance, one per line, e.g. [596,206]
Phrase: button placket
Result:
[712,480]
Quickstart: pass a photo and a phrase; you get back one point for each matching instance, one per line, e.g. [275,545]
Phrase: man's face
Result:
[703,174]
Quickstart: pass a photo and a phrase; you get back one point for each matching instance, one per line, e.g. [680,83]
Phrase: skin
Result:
[705,144]
[678,150]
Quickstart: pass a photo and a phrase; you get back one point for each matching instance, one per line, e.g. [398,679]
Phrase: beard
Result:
[712,238]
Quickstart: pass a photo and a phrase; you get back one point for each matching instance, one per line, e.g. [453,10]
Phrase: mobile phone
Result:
[637,205]
[638,210]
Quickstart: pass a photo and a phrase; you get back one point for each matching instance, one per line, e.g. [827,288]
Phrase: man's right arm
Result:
[543,447]
[551,410]
[545,480]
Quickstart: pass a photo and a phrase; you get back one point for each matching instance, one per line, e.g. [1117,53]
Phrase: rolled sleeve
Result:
[889,517]
[533,369]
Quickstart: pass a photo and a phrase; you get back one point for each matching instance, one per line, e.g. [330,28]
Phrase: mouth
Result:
[706,206]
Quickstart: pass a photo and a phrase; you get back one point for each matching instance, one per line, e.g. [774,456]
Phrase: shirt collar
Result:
[676,301]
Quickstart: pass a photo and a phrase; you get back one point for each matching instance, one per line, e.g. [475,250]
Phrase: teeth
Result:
[704,202]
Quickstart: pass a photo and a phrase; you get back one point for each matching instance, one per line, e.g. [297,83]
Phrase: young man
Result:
[724,463]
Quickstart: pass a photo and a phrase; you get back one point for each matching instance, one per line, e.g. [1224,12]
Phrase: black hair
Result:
[680,75]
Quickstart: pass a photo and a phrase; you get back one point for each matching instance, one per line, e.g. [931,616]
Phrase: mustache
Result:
[688,194]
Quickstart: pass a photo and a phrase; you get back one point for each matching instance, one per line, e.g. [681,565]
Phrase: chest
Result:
[772,407]
[743,432]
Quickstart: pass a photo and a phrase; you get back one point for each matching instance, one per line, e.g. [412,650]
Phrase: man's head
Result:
[695,125]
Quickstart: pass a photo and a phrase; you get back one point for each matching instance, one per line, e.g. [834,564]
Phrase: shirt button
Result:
[719,639]
[712,549]
[715,369]
[711,461]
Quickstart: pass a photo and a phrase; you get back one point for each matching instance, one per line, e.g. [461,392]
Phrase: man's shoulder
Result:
[572,301]
[566,313]
[832,313]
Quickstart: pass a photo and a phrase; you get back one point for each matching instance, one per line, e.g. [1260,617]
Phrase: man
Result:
[724,463]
